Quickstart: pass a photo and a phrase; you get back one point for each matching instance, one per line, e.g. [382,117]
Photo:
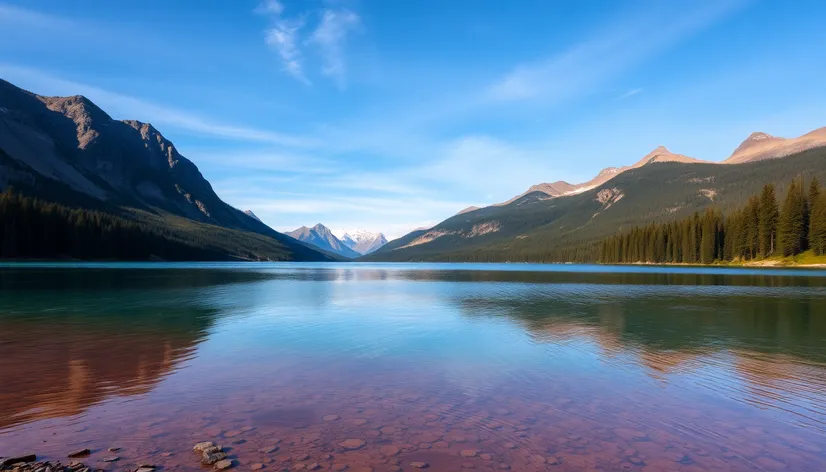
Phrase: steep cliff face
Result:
[72,141]
[69,151]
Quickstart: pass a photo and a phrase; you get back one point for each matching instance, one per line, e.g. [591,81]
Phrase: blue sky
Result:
[390,115]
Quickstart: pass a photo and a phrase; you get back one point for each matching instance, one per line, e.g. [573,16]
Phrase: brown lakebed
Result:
[396,367]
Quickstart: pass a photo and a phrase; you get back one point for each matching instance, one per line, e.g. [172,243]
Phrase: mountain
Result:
[468,209]
[562,188]
[362,241]
[541,227]
[69,151]
[321,237]
[252,215]
[759,146]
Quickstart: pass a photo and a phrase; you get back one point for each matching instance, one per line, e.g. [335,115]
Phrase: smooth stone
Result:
[231,434]
[313,466]
[257,466]
[223,465]
[301,457]
[111,459]
[419,465]
[485,456]
[114,449]
[510,445]
[503,466]
[202,446]
[359,421]
[352,444]
[331,418]
[268,450]
[468,453]
[145,469]
[389,450]
[468,465]
[339,467]
[80,453]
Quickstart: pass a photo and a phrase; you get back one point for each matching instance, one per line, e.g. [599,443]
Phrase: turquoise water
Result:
[534,367]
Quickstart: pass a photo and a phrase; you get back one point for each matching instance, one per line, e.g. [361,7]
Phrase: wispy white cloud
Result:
[283,37]
[330,37]
[630,93]
[581,68]
[129,107]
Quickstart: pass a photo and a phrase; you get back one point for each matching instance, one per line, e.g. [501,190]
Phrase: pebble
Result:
[268,449]
[114,449]
[468,453]
[111,459]
[485,456]
[257,466]
[201,446]
[313,466]
[352,444]
[223,465]
[331,418]
[389,450]
[419,465]
[80,453]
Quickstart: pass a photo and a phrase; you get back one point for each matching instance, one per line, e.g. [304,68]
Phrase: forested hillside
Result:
[35,229]
[541,229]
[757,231]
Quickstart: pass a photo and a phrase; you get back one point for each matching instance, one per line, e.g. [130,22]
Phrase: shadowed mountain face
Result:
[68,150]
[321,237]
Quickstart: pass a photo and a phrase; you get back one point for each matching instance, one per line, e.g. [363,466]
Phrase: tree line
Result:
[759,230]
[35,229]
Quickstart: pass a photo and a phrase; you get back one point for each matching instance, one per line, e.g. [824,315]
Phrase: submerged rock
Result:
[80,453]
[352,444]
[201,446]
[223,465]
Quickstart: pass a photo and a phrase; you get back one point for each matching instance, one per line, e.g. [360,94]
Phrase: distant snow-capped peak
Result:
[357,235]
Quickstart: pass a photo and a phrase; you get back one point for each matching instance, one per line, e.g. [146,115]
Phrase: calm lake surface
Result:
[476,366]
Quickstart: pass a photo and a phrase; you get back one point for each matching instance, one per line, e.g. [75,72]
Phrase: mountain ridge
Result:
[322,237]
[70,151]
[362,241]
[539,227]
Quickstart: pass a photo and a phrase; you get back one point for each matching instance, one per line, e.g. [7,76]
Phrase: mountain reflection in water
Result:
[558,368]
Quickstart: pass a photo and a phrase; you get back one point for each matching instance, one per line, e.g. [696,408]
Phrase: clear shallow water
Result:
[531,367]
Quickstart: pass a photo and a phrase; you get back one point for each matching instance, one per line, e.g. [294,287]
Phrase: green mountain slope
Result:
[537,227]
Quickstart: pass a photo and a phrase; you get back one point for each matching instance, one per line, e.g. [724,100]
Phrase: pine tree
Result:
[817,228]
[792,227]
[768,221]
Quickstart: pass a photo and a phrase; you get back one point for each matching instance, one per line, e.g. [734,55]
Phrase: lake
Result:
[376,366]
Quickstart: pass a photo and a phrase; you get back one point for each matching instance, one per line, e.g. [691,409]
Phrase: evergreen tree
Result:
[792,227]
[768,217]
[817,228]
